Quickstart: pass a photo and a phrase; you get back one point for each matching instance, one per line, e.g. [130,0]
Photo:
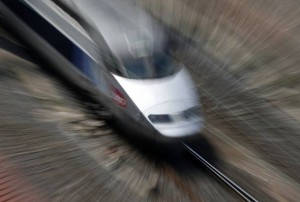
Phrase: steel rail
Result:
[237,189]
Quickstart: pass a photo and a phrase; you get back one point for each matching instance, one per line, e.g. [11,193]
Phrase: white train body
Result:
[117,52]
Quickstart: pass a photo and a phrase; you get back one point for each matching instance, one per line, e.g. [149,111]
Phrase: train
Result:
[119,54]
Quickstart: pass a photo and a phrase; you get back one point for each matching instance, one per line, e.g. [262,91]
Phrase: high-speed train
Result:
[119,54]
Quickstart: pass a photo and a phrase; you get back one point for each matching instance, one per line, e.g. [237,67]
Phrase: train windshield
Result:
[147,67]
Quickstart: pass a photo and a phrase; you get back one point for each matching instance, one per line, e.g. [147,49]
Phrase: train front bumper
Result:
[178,131]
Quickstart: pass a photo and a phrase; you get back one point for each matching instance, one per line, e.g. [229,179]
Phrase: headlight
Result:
[163,118]
[189,114]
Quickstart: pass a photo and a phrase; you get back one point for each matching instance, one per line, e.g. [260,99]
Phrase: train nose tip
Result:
[181,131]
[176,119]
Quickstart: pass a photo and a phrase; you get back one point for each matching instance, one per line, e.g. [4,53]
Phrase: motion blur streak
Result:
[11,180]
[243,56]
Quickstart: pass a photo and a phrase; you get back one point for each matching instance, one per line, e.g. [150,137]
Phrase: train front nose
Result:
[175,119]
[180,130]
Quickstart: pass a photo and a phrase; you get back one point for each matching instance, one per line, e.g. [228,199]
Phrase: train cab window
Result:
[154,66]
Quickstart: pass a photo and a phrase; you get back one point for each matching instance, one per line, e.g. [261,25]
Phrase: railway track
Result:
[222,177]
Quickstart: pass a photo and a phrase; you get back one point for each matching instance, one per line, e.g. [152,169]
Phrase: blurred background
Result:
[243,56]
